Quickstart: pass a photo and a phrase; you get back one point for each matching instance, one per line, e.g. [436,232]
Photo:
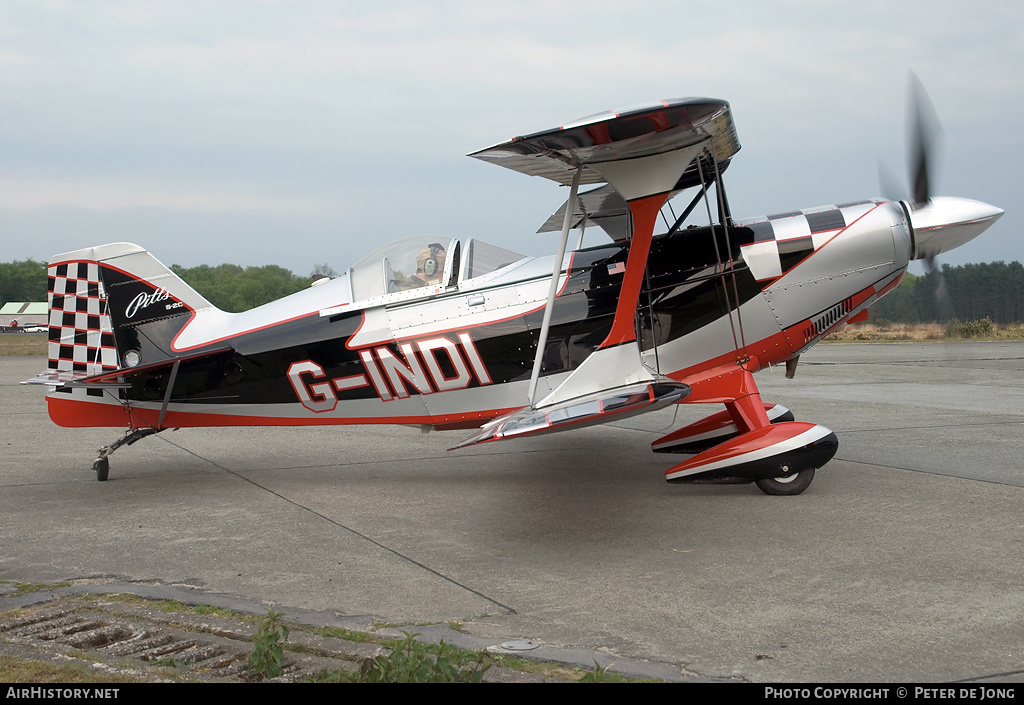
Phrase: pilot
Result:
[430,265]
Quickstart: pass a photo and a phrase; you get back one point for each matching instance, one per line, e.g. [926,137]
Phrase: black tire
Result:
[102,468]
[790,485]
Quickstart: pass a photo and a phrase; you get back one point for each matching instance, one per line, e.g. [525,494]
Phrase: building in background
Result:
[29,317]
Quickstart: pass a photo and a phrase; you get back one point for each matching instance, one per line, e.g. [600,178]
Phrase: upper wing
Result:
[665,126]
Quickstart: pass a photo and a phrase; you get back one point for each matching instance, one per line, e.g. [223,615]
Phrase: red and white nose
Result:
[945,222]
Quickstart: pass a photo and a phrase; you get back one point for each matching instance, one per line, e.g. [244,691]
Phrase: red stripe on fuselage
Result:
[774,350]
[79,413]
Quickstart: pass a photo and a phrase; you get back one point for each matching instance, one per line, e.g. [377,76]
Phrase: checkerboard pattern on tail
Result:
[81,335]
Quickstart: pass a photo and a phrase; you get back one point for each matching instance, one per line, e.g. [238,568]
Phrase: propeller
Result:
[923,134]
[938,223]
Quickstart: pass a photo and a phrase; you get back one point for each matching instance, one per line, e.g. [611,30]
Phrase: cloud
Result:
[115,194]
[325,108]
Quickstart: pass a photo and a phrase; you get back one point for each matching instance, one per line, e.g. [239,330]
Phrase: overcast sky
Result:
[295,133]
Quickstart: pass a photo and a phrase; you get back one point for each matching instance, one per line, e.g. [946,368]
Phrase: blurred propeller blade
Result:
[943,302]
[889,184]
[923,135]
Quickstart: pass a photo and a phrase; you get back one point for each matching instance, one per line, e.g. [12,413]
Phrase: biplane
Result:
[448,334]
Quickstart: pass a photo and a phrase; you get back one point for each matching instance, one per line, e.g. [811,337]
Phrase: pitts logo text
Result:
[144,300]
[417,369]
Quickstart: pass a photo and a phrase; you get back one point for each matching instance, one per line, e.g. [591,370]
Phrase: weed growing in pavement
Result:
[267,658]
[412,661]
[601,675]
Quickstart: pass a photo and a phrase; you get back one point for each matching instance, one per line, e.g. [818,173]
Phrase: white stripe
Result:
[773,413]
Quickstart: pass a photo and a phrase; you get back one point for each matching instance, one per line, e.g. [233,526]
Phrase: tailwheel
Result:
[102,468]
[791,484]
[102,464]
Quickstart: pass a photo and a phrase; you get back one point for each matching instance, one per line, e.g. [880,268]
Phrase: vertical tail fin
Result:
[114,306]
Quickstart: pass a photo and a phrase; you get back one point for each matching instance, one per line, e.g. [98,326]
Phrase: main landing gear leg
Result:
[102,465]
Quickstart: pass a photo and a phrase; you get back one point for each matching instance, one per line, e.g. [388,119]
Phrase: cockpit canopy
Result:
[425,264]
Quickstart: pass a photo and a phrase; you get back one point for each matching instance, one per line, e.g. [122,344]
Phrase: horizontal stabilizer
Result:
[587,410]
[56,378]
[108,378]
[114,379]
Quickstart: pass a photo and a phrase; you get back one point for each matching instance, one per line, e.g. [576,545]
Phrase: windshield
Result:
[483,257]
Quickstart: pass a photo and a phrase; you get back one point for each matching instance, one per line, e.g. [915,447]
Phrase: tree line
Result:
[233,288]
[22,281]
[968,292]
[229,287]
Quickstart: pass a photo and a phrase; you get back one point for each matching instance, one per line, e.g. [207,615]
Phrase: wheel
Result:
[788,485]
[102,468]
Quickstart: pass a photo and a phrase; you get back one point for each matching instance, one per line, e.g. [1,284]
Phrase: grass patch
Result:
[346,634]
[412,661]
[886,332]
[176,607]
[28,588]
[23,344]
[19,670]
[544,669]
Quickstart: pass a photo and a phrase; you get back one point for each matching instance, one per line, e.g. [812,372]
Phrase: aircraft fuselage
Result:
[760,292]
